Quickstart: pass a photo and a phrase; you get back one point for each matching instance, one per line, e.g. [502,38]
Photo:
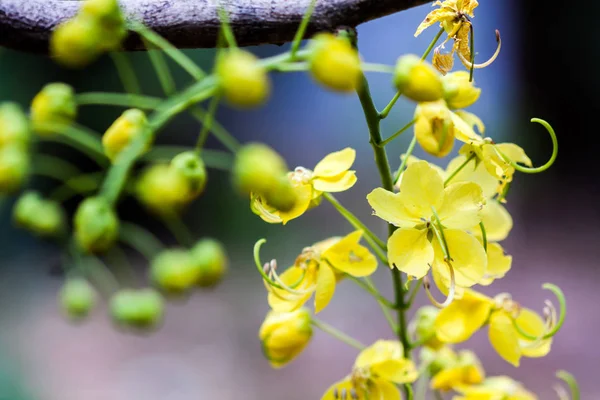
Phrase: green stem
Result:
[218,131]
[119,261]
[83,140]
[179,230]
[384,308]
[118,99]
[472,49]
[409,151]
[208,123]
[81,184]
[400,132]
[126,72]
[140,239]
[330,330]
[215,159]
[226,28]
[302,29]
[54,167]
[413,295]
[432,44]
[162,69]
[370,288]
[458,169]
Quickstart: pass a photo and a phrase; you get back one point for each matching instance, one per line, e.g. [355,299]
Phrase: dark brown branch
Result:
[26,24]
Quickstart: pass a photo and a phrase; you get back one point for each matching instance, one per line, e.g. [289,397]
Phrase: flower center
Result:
[301,176]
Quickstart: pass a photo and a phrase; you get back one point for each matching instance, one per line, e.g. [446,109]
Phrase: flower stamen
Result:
[451,291]
[471,65]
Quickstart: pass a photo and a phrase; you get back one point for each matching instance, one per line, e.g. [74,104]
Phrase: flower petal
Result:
[325,287]
[283,301]
[410,252]
[468,258]
[532,324]
[462,318]
[337,387]
[421,188]
[504,338]
[338,183]
[463,202]
[335,163]
[473,172]
[303,199]
[383,390]
[497,221]
[438,15]
[388,206]
[463,131]
[350,257]
[397,371]
[473,120]
[515,153]
[498,264]
[378,352]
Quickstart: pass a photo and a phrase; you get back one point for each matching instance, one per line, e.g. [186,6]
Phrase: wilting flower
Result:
[331,174]
[284,335]
[510,325]
[497,387]
[376,372]
[317,270]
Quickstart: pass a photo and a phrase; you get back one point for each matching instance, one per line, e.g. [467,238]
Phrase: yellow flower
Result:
[495,388]
[436,127]
[415,247]
[376,372]
[284,335]
[463,317]
[462,368]
[458,91]
[316,271]
[332,174]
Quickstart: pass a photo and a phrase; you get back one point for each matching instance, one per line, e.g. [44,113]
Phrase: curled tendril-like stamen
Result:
[554,323]
[262,267]
[451,291]
[471,65]
[561,392]
[530,170]
[570,380]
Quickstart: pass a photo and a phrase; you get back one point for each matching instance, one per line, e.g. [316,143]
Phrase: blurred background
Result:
[208,346]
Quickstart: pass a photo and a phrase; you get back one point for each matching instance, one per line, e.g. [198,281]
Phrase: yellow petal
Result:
[498,263]
[337,387]
[421,188]
[452,377]
[304,196]
[383,390]
[397,371]
[472,120]
[338,183]
[433,128]
[462,318]
[462,130]
[350,257]
[532,324]
[497,221]
[283,301]
[325,287]
[335,163]
[515,153]
[388,206]
[439,15]
[462,205]
[472,172]
[468,258]
[410,252]
[504,338]
[378,352]
[461,42]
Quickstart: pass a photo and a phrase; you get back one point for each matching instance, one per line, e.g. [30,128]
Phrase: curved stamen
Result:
[557,322]
[451,292]
[530,170]
[290,289]
[471,65]
[561,392]
[571,382]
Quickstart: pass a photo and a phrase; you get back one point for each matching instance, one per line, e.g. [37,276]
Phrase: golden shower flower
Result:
[431,220]
[331,174]
[316,270]
[284,335]
[462,368]
[376,372]
[463,317]
[495,388]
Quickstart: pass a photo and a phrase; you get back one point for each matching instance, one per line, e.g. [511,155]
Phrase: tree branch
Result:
[26,24]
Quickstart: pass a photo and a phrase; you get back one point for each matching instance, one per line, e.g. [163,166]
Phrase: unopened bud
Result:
[77,298]
[108,15]
[14,168]
[14,125]
[334,63]
[174,270]
[284,335]
[190,165]
[283,196]
[258,169]
[244,81]
[162,189]
[54,104]
[96,225]
[40,216]
[75,43]
[211,261]
[128,127]
[458,91]
[424,327]
[417,79]
[141,309]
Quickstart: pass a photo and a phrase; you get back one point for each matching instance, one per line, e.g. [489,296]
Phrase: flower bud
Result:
[127,128]
[282,196]
[334,63]
[417,79]
[258,169]
[14,125]
[96,225]
[76,42]
[107,14]
[458,91]
[438,359]
[174,270]
[284,335]
[162,189]
[14,168]
[42,217]
[54,104]
[424,327]
[244,82]
[434,128]
[211,261]
[140,309]
[190,165]
[77,298]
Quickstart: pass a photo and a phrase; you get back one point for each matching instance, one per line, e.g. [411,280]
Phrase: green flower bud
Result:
[244,82]
[258,169]
[76,42]
[334,63]
[458,91]
[108,15]
[77,298]
[190,165]
[140,309]
[42,217]
[14,125]
[162,189]
[283,196]
[96,225]
[438,359]
[417,79]
[127,128]
[284,335]
[424,321]
[14,168]
[211,261]
[54,104]
[174,270]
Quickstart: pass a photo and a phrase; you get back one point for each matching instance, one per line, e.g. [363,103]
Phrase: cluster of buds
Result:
[15,136]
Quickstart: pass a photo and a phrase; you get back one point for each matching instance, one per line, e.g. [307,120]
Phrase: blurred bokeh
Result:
[208,346]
